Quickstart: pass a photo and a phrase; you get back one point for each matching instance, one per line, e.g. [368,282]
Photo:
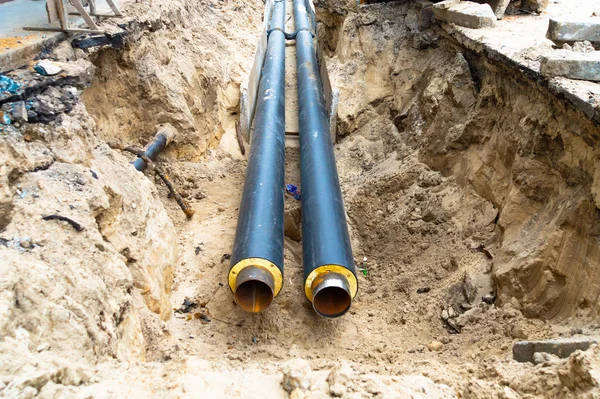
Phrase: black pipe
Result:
[164,136]
[329,272]
[256,274]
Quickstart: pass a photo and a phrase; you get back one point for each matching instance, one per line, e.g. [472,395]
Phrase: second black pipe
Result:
[329,273]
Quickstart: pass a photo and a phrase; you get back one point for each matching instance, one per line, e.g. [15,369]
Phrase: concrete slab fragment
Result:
[467,14]
[498,6]
[523,351]
[574,30]
[571,64]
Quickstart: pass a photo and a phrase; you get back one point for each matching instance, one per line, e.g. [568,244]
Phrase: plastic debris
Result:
[7,85]
[293,190]
[47,68]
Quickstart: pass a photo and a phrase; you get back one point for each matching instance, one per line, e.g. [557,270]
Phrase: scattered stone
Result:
[337,390]
[451,312]
[470,316]
[575,331]
[42,347]
[574,30]
[445,315]
[518,331]
[423,290]
[373,388]
[580,47]
[573,65]
[489,298]
[25,242]
[543,357]
[19,111]
[498,6]
[298,394]
[436,346]
[523,351]
[296,374]
[467,14]
[534,5]
[340,374]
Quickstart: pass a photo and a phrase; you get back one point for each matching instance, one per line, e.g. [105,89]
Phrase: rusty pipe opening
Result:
[254,289]
[331,295]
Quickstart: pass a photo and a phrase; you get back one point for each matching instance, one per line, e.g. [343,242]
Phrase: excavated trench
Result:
[470,193]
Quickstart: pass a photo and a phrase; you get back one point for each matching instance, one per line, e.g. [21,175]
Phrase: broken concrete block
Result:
[467,14]
[570,64]
[523,351]
[19,111]
[498,6]
[571,30]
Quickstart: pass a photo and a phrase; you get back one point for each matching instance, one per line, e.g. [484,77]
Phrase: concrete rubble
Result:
[571,64]
[498,6]
[574,30]
[467,14]
[525,351]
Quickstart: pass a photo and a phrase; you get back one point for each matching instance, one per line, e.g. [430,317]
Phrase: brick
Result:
[467,14]
[571,30]
[523,351]
[571,64]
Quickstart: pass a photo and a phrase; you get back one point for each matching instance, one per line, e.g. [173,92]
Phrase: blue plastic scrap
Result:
[295,191]
[7,85]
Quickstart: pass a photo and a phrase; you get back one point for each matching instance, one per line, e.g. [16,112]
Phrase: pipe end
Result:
[331,295]
[254,289]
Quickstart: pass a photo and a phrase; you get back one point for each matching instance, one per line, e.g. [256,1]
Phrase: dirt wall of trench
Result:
[527,154]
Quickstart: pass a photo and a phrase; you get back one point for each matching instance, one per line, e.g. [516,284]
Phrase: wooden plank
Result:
[70,30]
[96,15]
[62,14]
[51,11]
[114,8]
[86,17]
